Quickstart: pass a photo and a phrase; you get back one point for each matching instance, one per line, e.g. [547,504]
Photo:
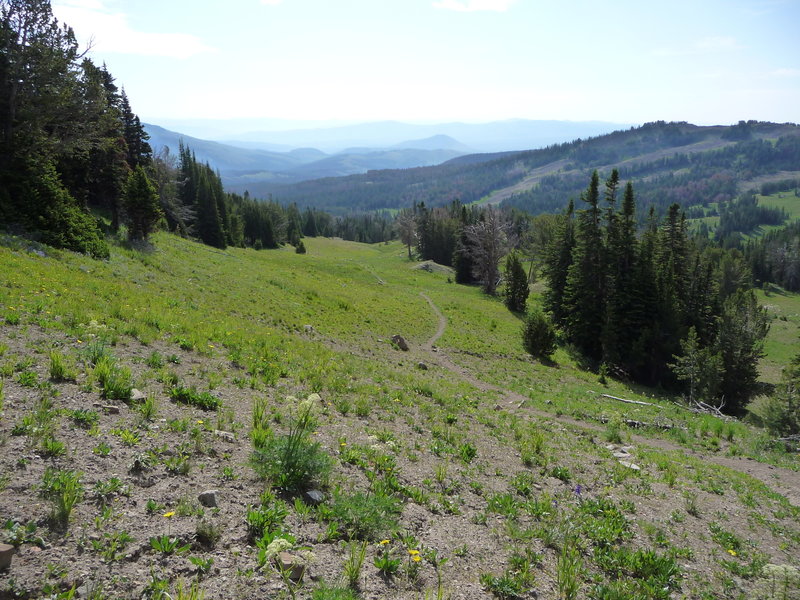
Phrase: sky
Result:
[420,61]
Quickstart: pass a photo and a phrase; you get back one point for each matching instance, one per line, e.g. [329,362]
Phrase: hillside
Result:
[486,473]
[668,162]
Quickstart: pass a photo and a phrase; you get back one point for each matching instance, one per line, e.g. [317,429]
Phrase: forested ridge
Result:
[668,162]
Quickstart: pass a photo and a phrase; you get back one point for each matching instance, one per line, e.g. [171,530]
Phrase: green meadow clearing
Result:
[460,468]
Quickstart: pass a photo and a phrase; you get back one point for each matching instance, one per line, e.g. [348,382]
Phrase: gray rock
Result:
[314,497]
[208,498]
[400,341]
[422,366]
[225,435]
[308,328]
[621,455]
[630,465]
[138,395]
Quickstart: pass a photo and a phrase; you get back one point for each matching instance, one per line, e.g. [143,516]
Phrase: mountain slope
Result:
[485,458]
[668,162]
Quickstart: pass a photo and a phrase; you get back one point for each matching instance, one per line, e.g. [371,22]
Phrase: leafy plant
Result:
[111,545]
[168,545]
[292,461]
[384,561]
[363,516]
[60,368]
[64,490]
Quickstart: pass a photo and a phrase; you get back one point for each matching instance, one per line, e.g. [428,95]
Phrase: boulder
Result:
[314,497]
[208,498]
[291,564]
[400,341]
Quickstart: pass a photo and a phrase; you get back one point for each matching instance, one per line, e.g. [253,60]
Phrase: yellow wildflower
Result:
[414,552]
[169,514]
[416,558]
[383,542]
[732,552]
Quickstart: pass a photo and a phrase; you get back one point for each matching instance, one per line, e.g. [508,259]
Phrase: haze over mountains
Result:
[284,156]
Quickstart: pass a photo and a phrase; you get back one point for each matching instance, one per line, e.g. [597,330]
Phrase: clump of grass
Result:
[64,490]
[60,367]
[192,397]
[356,552]
[115,381]
[292,461]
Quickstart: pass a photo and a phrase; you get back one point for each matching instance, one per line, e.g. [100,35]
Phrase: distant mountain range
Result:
[265,159]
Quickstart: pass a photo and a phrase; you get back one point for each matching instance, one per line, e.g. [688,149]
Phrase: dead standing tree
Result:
[487,243]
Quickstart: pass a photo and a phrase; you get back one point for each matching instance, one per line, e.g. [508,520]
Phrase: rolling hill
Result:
[668,162]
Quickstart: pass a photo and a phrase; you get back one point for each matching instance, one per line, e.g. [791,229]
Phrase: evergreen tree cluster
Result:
[775,257]
[68,137]
[744,215]
[637,303]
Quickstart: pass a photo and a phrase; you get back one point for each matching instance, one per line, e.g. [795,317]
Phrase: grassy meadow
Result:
[458,469]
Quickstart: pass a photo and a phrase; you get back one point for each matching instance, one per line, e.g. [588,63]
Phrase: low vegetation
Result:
[487,474]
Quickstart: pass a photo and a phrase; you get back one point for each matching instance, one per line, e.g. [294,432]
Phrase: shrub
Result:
[538,335]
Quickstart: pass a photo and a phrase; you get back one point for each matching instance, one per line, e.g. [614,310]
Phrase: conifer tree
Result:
[517,289]
[556,265]
[584,300]
[142,207]
[621,283]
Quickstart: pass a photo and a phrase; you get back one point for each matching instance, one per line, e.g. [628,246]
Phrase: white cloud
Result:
[474,5]
[109,31]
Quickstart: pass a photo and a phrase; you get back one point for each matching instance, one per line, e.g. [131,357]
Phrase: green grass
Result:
[783,340]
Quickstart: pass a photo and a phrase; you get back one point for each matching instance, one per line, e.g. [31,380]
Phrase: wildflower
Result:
[343,444]
[416,558]
[732,552]
[383,542]
[414,552]
[200,421]
[169,514]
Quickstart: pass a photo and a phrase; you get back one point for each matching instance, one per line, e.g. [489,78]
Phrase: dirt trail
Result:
[784,481]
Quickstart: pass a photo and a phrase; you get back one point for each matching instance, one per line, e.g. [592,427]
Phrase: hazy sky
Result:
[626,61]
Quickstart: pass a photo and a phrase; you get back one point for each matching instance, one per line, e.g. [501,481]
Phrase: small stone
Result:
[111,409]
[138,395]
[621,455]
[610,447]
[208,498]
[308,328]
[225,435]
[422,366]
[401,342]
[315,497]
[6,552]
[314,397]
[630,465]
[292,564]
